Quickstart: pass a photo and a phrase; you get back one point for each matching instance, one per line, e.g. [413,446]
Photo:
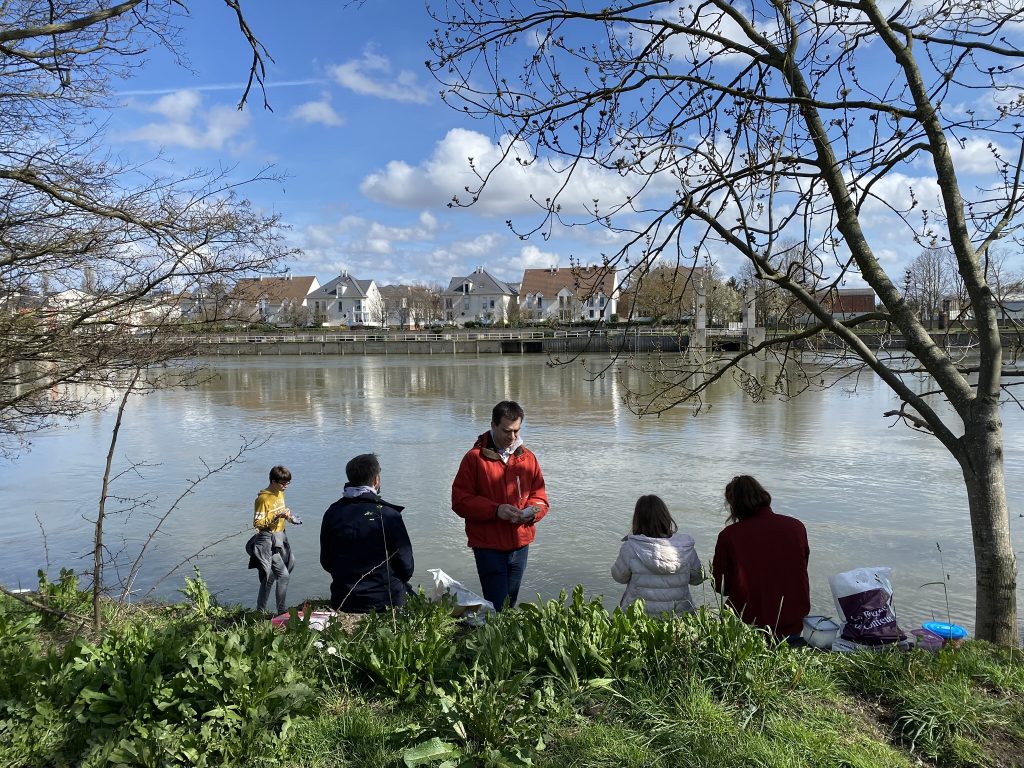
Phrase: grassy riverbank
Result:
[558,684]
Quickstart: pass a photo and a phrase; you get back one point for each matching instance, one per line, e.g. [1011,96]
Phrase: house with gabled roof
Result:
[479,297]
[847,303]
[279,300]
[348,301]
[568,294]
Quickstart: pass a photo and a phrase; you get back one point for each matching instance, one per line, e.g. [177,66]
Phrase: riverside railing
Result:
[374,336]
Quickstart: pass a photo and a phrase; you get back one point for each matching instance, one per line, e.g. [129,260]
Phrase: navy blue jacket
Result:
[366,549]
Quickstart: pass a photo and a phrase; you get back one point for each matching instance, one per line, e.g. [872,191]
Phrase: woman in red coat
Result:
[760,564]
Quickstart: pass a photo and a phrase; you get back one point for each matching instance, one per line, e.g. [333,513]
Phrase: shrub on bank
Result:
[180,693]
[558,683]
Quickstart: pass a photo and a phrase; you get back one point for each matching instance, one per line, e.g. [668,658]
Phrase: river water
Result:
[869,492]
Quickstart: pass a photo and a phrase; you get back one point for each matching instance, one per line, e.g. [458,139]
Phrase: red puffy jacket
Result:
[484,481]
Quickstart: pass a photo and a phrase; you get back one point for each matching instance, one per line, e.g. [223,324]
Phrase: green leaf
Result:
[428,751]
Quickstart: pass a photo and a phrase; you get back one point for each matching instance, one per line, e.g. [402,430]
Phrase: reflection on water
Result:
[870,493]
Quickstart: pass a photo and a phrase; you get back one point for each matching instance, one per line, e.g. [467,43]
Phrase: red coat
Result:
[484,481]
[760,566]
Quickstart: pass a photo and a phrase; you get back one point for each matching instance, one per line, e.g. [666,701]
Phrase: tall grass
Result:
[558,683]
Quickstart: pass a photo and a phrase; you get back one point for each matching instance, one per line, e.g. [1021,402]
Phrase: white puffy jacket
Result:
[658,571]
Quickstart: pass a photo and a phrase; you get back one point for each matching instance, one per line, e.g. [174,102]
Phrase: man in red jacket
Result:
[499,492]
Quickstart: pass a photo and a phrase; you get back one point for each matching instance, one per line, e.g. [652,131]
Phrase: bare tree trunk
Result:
[995,560]
[97,554]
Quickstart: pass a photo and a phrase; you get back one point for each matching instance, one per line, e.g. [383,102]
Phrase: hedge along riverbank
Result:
[561,683]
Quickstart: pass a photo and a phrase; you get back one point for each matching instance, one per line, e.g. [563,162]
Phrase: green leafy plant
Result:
[572,641]
[63,596]
[401,654]
[496,722]
[198,594]
[740,663]
[24,667]
[181,694]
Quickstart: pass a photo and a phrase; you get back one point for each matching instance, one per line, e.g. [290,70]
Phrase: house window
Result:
[449,304]
[540,302]
[492,303]
[465,304]
[340,310]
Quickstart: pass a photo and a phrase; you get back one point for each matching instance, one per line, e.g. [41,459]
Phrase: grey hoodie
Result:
[658,571]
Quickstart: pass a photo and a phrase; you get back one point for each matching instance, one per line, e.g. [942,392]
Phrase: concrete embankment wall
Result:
[577,343]
[958,340]
[562,345]
[242,348]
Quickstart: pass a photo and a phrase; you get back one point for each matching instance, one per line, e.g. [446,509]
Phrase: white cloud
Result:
[186,125]
[462,155]
[976,156]
[357,237]
[483,245]
[372,76]
[318,112]
[177,107]
[532,257]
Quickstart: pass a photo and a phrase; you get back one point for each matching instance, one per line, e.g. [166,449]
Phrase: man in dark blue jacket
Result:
[364,544]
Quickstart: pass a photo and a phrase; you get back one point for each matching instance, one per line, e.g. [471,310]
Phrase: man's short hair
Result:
[280,475]
[507,409]
[362,469]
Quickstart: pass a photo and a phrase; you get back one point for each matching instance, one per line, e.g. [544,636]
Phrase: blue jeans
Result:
[500,574]
[278,578]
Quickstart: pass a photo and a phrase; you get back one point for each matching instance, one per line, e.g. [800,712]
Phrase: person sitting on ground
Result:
[760,564]
[656,562]
[364,544]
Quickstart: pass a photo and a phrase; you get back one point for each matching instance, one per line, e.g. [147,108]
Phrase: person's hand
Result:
[527,514]
[508,513]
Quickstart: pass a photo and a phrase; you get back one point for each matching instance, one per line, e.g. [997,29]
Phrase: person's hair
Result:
[745,496]
[362,469]
[506,409]
[652,518]
[280,474]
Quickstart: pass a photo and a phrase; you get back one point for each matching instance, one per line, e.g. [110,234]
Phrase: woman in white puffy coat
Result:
[656,562]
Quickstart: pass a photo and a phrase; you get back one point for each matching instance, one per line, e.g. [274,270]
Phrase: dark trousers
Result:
[500,574]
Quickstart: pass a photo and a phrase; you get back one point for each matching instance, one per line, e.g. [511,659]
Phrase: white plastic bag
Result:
[467,603]
[864,601]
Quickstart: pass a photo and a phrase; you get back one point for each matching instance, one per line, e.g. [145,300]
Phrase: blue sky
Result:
[370,154]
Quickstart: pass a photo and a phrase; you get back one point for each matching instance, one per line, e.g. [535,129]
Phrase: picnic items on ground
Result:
[468,604]
[820,632]
[317,619]
[863,599]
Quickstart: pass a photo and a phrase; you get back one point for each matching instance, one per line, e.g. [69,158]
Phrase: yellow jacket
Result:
[266,506]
